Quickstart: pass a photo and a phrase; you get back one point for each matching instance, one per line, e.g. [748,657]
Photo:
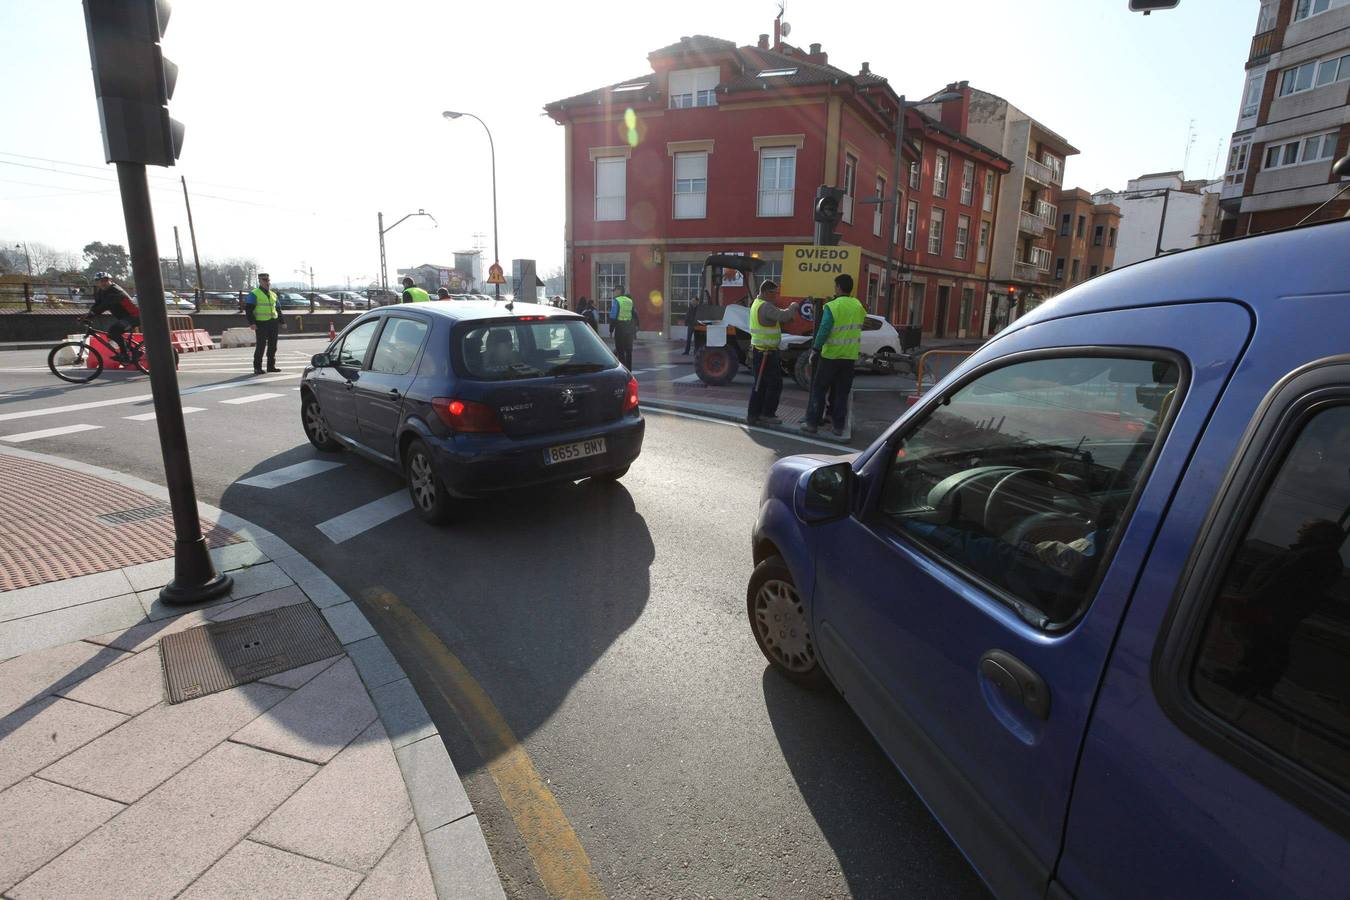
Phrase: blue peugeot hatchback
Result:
[1092,593]
[468,399]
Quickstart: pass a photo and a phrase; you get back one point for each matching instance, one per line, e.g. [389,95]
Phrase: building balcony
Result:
[1035,268]
[1039,171]
[1263,45]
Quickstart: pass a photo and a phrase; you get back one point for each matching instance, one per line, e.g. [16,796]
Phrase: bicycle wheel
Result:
[143,360]
[75,361]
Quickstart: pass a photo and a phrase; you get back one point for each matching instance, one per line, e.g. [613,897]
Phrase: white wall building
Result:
[1185,212]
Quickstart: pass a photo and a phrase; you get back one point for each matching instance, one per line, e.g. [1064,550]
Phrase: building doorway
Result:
[943,299]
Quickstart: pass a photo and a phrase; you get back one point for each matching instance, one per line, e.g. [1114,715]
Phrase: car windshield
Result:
[505,351]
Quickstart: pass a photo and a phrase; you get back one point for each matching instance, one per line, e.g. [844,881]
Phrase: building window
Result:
[1098,235]
[915,174]
[685,285]
[610,178]
[962,236]
[777,180]
[1305,8]
[940,174]
[1329,70]
[1073,271]
[1092,271]
[1111,242]
[691,185]
[1251,99]
[1082,226]
[911,223]
[1065,223]
[967,183]
[895,218]
[1314,73]
[610,279]
[989,191]
[1316,148]
[982,254]
[1237,160]
[936,219]
[1059,269]
[850,183]
[876,213]
[693,87]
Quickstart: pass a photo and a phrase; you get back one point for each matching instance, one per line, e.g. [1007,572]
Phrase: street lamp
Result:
[496,252]
[27,258]
[384,272]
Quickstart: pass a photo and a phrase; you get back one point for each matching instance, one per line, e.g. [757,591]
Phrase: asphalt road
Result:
[604,624]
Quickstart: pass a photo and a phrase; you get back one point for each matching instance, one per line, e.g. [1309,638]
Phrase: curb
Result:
[427,774]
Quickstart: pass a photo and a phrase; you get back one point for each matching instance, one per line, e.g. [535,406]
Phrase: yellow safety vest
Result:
[763,337]
[418,295]
[264,305]
[625,307]
[845,339]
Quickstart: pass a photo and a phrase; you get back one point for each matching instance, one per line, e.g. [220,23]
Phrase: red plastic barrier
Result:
[106,351]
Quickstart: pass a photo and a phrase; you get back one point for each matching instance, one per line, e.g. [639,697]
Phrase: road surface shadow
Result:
[887,842]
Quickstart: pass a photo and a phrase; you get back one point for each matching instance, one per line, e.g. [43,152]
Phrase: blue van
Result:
[1092,593]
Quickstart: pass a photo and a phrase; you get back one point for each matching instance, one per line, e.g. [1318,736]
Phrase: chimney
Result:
[763,42]
[817,55]
[866,69]
[956,113]
[815,49]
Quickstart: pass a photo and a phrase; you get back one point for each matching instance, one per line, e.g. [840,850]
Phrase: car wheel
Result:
[611,475]
[429,497]
[781,625]
[801,370]
[316,429]
[884,361]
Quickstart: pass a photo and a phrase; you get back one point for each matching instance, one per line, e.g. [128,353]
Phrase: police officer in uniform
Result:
[413,294]
[623,324]
[837,345]
[261,309]
[766,333]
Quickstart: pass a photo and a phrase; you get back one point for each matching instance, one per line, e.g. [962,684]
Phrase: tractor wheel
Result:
[801,370]
[716,365]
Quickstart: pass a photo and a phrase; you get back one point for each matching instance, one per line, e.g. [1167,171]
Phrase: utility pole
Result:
[178,246]
[384,274]
[192,232]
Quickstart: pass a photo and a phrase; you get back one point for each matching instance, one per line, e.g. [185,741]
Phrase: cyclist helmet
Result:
[100,276]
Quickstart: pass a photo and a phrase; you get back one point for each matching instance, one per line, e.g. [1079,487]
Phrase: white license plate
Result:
[579,450]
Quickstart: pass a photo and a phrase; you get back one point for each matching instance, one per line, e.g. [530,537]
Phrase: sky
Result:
[305,118]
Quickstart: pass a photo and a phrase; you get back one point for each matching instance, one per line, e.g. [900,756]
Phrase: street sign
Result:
[809,270]
[495,274]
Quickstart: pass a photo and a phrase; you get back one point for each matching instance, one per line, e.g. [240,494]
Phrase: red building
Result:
[720,148]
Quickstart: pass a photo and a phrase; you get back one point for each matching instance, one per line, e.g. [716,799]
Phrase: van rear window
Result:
[510,350]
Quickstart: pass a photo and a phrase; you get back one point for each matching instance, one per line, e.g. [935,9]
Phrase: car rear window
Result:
[514,349]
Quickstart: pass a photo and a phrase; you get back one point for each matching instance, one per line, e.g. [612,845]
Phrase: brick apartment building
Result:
[720,148]
[1085,244]
[1294,121]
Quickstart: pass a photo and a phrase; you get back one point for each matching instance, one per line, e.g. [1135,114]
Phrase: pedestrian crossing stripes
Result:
[363,518]
[290,474]
[150,417]
[46,433]
[251,398]
[137,398]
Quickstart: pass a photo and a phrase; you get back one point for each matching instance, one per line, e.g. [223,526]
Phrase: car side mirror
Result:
[320,361]
[1342,167]
[829,492]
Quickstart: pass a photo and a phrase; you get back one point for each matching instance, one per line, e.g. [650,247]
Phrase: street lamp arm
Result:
[492,148]
[420,212]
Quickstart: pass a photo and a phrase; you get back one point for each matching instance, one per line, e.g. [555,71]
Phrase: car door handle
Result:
[1018,681]
[394,394]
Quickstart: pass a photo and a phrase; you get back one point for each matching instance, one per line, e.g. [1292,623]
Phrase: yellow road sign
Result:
[495,274]
[809,270]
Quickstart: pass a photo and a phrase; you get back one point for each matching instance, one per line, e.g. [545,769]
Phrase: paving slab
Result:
[39,734]
[72,623]
[60,594]
[294,679]
[39,820]
[32,676]
[350,812]
[317,721]
[151,575]
[321,589]
[348,622]
[162,844]
[437,793]
[258,579]
[374,662]
[461,864]
[287,596]
[235,556]
[402,873]
[253,870]
[131,686]
[146,634]
[401,710]
[128,763]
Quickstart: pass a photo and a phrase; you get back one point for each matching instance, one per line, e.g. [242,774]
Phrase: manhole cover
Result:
[140,514]
[221,655]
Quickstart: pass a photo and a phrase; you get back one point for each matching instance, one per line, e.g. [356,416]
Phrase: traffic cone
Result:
[332,332]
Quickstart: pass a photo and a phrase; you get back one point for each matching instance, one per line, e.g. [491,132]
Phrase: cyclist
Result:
[111,298]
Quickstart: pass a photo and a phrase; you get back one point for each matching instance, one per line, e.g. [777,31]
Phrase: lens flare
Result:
[656,299]
[630,127]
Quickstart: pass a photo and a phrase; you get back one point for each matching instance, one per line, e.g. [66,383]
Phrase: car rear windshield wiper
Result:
[577,367]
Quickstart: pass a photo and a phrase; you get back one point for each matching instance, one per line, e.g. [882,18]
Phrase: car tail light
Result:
[630,396]
[466,415]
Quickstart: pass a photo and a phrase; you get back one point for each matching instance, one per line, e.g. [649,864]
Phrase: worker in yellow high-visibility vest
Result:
[623,324]
[260,307]
[837,345]
[766,334]
[414,294]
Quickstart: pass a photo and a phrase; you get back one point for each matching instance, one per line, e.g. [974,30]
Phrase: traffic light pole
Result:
[195,579]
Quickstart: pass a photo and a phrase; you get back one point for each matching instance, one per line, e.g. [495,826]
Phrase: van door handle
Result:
[394,394]
[1017,680]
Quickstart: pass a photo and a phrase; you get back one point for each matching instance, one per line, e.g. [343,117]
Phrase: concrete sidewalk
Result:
[326,780]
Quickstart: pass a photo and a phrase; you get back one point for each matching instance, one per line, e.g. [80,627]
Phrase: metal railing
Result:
[1262,45]
[935,365]
[1039,171]
[1031,223]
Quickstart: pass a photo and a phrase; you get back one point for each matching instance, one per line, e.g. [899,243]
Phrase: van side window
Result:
[1022,477]
[1275,650]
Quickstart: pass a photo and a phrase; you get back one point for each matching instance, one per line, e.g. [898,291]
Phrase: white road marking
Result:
[46,433]
[138,398]
[669,366]
[251,398]
[278,477]
[363,518]
[837,447]
[150,417]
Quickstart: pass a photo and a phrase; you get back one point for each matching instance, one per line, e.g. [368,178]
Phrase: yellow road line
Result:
[561,861]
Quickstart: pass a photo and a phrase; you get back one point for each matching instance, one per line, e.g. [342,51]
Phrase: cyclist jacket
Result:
[112,299]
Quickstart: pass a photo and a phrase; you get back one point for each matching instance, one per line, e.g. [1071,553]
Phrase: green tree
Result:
[110,258]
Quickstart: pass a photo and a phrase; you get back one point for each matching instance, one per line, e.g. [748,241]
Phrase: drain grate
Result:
[140,514]
[222,655]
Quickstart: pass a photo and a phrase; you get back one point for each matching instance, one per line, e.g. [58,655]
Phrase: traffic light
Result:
[133,81]
[829,210]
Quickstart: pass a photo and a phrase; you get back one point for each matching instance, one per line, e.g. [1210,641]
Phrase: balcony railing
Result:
[1025,271]
[1262,45]
[1035,267]
[1039,171]
[1038,220]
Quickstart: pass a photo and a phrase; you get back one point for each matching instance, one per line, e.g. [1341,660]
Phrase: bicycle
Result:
[80,362]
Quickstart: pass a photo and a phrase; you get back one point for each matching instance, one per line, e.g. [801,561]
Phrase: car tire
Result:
[716,366]
[431,501]
[316,429]
[781,624]
[611,475]
[801,370]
